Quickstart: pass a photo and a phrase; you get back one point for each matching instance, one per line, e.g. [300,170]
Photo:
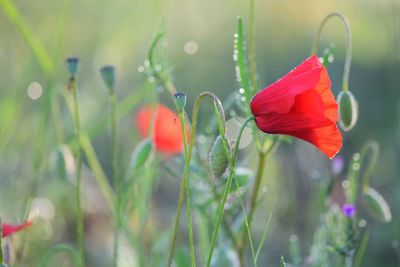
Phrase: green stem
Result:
[347,63]
[187,188]
[59,249]
[221,208]
[195,113]
[78,174]
[253,200]
[115,169]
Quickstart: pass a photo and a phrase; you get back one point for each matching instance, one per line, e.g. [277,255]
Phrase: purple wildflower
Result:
[349,210]
[337,165]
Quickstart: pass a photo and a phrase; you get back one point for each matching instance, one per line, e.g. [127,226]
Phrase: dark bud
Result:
[180,101]
[73,66]
[108,75]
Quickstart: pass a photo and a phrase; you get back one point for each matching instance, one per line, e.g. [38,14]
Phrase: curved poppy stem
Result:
[347,63]
[221,126]
[232,164]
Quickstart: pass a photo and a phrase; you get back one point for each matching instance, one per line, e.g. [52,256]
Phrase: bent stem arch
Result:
[221,127]
[347,63]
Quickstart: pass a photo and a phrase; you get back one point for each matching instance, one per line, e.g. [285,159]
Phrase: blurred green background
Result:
[200,47]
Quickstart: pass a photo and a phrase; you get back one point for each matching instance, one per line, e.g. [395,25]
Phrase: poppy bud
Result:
[73,64]
[348,110]
[180,101]
[376,205]
[217,158]
[108,75]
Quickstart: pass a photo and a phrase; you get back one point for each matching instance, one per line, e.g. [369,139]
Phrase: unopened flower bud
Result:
[180,101]
[376,205]
[73,65]
[218,159]
[348,110]
[108,75]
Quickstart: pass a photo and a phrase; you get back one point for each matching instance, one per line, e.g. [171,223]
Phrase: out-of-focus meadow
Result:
[200,49]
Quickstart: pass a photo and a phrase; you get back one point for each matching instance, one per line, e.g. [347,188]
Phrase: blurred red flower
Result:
[302,105]
[9,229]
[167,136]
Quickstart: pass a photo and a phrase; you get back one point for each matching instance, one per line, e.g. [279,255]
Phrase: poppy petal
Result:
[167,135]
[302,105]
[9,229]
[279,97]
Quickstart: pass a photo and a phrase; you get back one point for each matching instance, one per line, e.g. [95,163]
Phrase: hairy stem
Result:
[78,174]
[195,112]
[187,189]
[221,208]
[116,176]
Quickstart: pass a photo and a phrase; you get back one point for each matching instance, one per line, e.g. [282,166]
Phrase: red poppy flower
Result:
[302,105]
[167,129]
[9,229]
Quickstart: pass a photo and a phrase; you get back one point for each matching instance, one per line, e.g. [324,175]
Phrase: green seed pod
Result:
[217,158]
[141,154]
[348,110]
[180,101]
[376,205]
[108,75]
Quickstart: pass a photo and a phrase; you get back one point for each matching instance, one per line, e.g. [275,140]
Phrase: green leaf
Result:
[376,205]
[140,155]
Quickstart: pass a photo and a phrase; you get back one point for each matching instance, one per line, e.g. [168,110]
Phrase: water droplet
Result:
[191,47]
[243,98]
[362,223]
[235,35]
[331,58]
[34,90]
[160,89]
[345,184]
[321,60]
[158,67]
[265,189]
[241,90]
[356,166]
[151,79]
[140,68]
[356,156]
[146,63]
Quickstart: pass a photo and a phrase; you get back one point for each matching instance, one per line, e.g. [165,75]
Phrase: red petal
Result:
[8,229]
[307,113]
[279,96]
[167,130]
[328,139]
[302,105]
